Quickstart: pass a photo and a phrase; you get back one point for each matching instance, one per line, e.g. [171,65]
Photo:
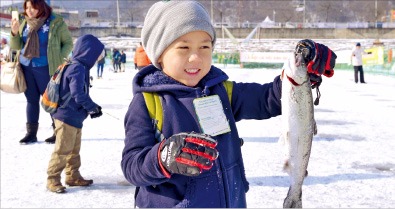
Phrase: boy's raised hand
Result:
[187,154]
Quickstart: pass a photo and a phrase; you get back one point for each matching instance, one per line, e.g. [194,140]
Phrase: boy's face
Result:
[188,58]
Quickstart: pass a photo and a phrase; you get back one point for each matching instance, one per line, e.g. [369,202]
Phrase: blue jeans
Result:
[100,67]
[37,79]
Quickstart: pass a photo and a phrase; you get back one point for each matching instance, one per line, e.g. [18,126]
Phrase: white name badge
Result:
[211,115]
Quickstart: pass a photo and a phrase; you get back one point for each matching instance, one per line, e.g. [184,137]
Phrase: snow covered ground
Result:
[352,164]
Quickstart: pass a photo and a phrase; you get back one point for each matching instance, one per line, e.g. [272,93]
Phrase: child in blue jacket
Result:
[69,118]
[199,161]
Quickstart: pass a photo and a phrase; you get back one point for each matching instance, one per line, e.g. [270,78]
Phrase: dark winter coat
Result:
[123,58]
[225,184]
[116,56]
[75,79]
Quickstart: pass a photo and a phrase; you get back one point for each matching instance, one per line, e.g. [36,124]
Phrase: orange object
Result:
[389,55]
[141,58]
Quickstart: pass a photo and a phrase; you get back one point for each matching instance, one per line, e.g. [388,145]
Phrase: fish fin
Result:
[293,199]
[286,167]
[281,139]
[283,142]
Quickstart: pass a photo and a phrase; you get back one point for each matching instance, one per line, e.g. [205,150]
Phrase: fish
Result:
[298,125]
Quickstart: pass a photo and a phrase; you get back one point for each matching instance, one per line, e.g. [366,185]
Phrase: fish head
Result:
[296,69]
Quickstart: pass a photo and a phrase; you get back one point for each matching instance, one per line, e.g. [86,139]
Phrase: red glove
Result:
[319,58]
[187,154]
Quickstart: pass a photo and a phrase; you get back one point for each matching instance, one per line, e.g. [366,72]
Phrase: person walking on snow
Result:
[69,118]
[356,58]
[100,64]
[122,61]
[116,57]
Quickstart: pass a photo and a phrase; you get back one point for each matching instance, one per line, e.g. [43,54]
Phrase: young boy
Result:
[198,162]
[69,119]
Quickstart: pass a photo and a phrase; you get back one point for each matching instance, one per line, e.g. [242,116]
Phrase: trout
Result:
[298,126]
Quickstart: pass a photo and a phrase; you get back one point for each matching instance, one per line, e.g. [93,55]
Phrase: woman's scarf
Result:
[32,46]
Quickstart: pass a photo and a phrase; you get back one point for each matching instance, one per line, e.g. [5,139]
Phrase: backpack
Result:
[155,110]
[50,99]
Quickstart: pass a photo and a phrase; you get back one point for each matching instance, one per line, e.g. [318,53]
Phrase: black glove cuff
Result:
[96,110]
[162,159]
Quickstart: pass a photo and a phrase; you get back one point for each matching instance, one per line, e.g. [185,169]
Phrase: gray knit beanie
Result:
[166,21]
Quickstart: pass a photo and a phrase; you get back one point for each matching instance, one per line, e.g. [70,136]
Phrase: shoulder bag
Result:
[12,78]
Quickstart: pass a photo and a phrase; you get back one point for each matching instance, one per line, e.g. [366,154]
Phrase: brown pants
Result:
[66,154]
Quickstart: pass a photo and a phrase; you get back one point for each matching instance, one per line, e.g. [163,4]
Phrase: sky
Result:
[352,163]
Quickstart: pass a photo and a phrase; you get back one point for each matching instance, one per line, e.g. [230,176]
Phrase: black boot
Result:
[31,135]
[52,139]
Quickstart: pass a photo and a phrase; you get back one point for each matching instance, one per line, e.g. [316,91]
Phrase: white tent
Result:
[267,23]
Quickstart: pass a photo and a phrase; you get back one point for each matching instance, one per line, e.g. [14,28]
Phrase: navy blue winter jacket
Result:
[123,58]
[225,184]
[75,79]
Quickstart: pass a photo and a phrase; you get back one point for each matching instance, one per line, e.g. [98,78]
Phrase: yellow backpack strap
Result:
[229,88]
[155,109]
[155,112]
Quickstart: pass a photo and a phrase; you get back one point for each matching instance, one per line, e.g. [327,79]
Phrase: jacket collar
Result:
[151,79]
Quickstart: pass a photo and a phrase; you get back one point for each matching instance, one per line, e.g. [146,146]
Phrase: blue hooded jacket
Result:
[75,79]
[225,184]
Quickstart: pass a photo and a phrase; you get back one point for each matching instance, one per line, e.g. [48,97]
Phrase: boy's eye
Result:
[187,47]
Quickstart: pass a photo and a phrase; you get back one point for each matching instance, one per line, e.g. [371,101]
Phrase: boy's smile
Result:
[192,71]
[188,58]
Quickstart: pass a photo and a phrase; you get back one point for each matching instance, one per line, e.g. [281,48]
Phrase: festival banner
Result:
[375,58]
[264,57]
